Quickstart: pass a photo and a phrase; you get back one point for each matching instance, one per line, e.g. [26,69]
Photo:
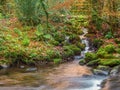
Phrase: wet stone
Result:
[100,72]
[31,69]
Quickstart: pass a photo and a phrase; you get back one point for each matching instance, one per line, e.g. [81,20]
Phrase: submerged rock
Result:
[82,62]
[31,69]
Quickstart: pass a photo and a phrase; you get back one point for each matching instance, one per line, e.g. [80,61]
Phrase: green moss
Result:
[101,53]
[82,62]
[110,62]
[109,56]
[110,48]
[93,63]
[57,60]
[90,56]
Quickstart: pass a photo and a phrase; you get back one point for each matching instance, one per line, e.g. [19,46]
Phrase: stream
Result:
[66,76]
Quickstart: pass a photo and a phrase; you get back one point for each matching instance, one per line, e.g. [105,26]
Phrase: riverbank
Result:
[27,45]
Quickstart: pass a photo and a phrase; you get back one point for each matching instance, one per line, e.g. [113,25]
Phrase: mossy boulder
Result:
[93,63]
[82,62]
[104,68]
[100,72]
[101,53]
[110,48]
[71,50]
[110,62]
[90,56]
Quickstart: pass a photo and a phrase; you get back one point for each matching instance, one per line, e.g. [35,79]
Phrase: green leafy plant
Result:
[26,41]
[17,31]
[109,35]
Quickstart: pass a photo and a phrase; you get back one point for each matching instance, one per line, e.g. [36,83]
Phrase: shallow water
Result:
[67,76]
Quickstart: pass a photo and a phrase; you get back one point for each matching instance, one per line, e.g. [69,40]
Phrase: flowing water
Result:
[66,76]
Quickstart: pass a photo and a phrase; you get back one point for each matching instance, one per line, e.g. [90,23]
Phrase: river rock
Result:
[112,83]
[115,71]
[100,72]
[22,67]
[4,66]
[104,68]
[82,62]
[31,69]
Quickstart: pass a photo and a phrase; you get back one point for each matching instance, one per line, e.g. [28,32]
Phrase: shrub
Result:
[51,54]
[29,11]
[97,43]
[26,41]
[67,51]
[118,50]
[80,45]
[109,35]
[75,49]
[117,41]
[58,36]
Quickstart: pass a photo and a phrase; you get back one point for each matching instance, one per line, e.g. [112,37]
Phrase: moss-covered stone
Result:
[101,53]
[90,57]
[110,62]
[93,63]
[104,68]
[72,49]
[82,62]
[110,48]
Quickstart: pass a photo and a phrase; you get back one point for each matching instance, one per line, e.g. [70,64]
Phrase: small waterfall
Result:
[85,41]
